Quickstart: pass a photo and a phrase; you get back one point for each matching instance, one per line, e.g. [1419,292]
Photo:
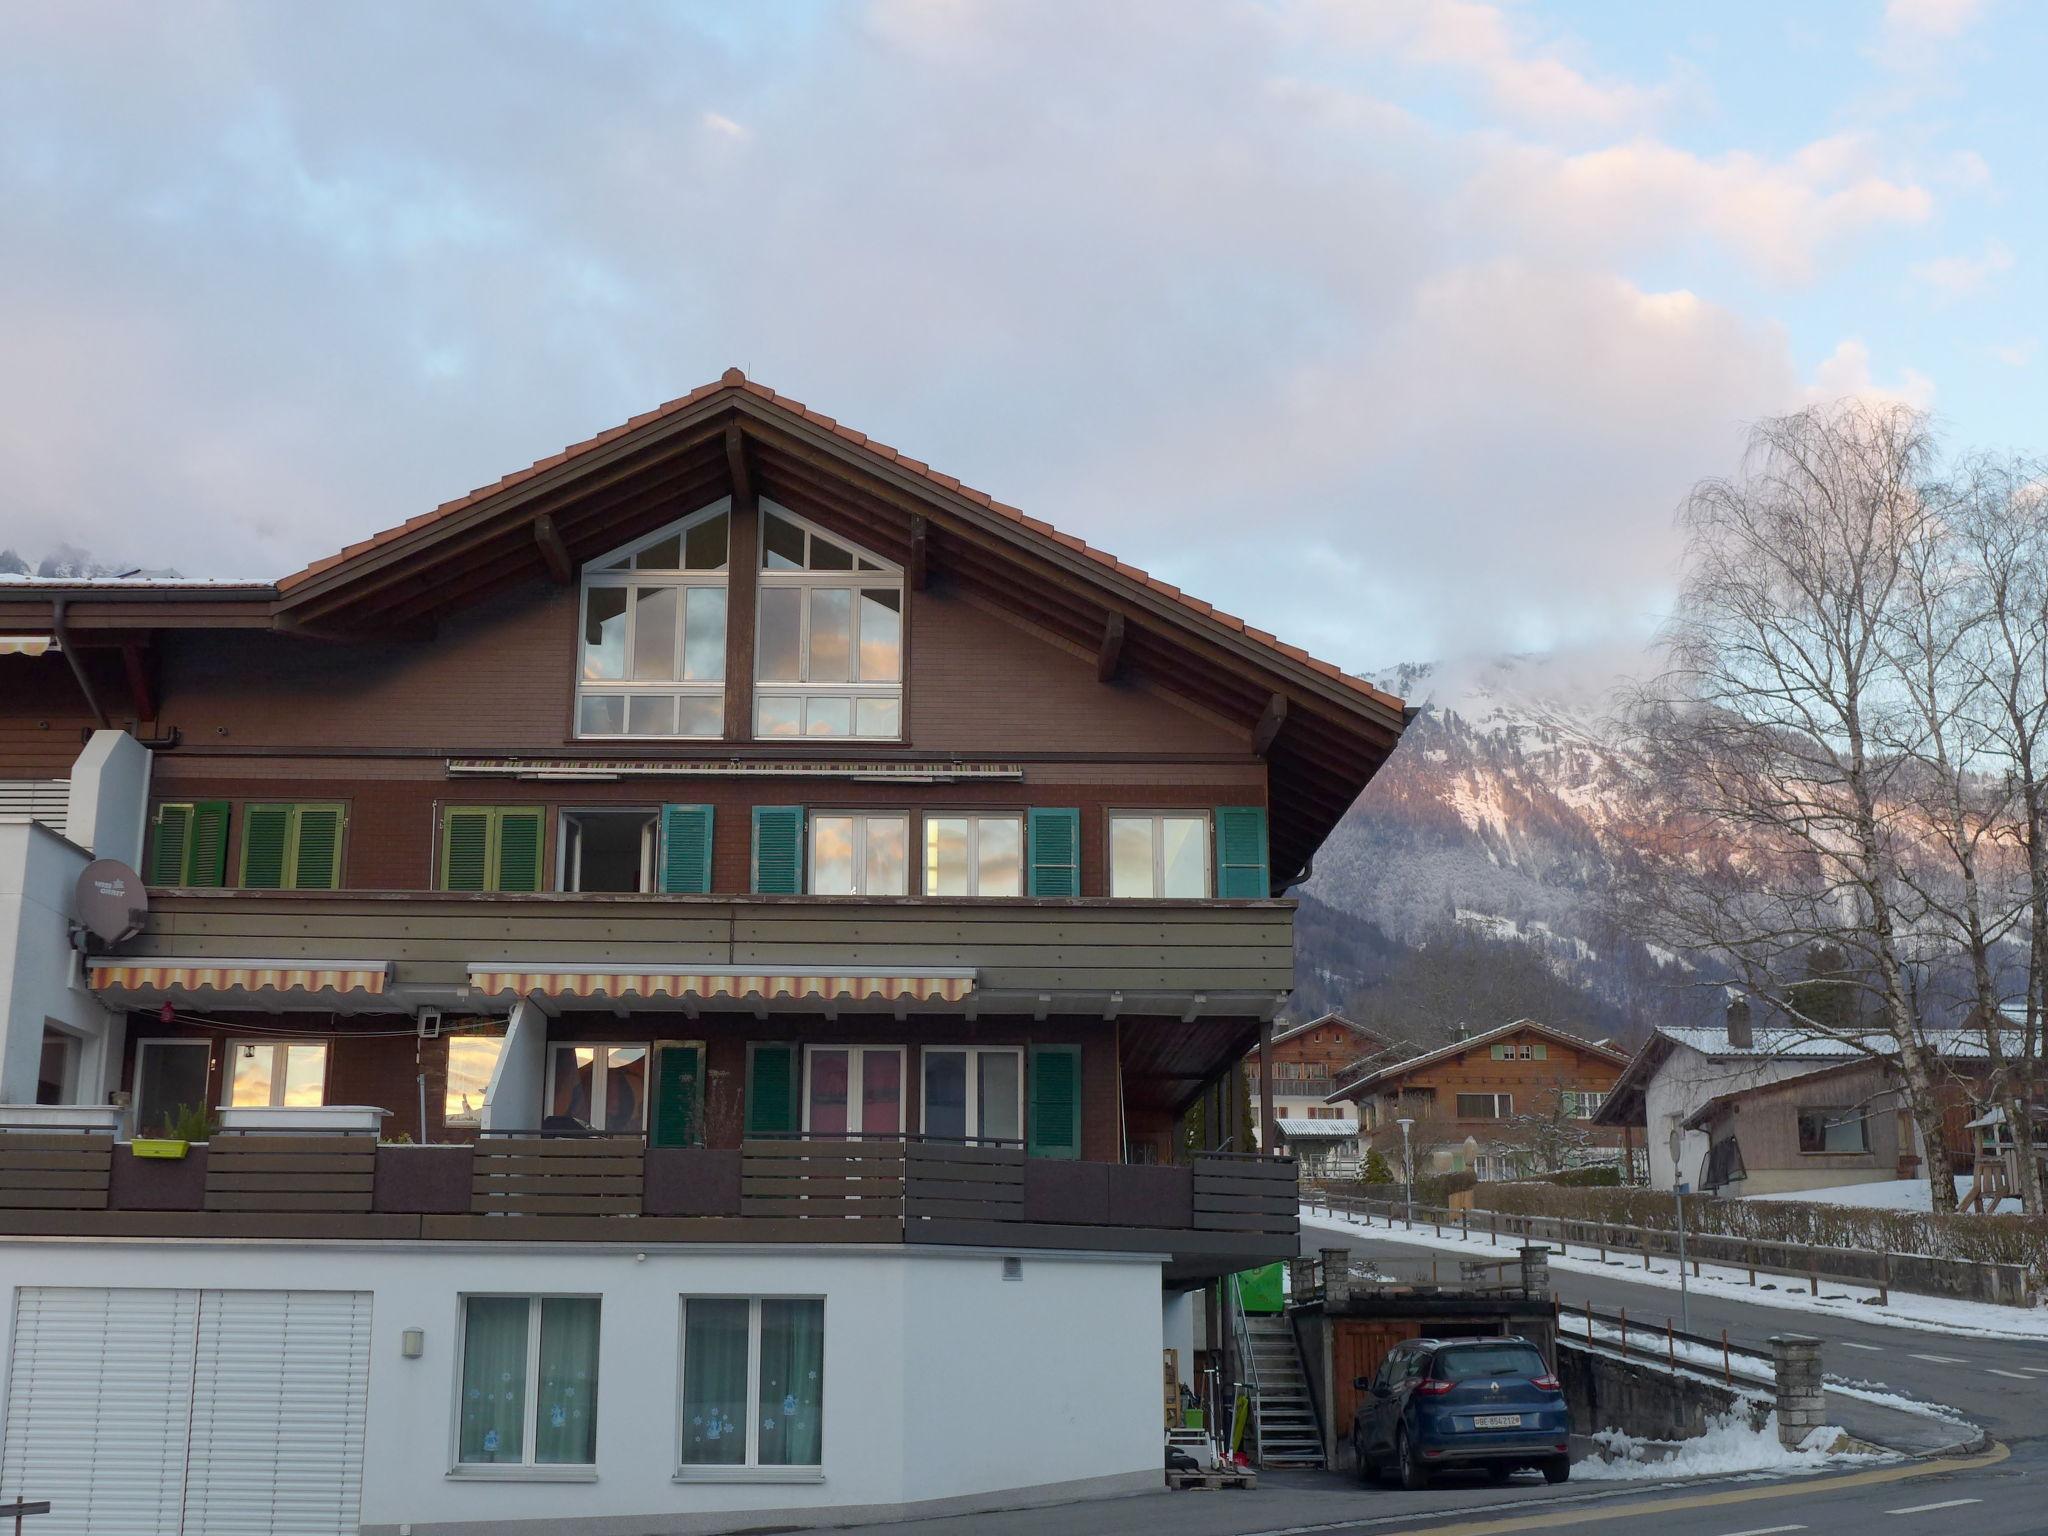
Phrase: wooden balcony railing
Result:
[1219,1214]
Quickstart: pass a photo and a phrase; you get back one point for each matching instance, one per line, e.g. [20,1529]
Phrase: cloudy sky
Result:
[1398,326]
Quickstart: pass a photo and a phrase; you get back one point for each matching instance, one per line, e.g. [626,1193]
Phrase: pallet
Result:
[1178,1481]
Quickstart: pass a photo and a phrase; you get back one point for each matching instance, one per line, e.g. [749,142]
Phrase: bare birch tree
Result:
[1779,728]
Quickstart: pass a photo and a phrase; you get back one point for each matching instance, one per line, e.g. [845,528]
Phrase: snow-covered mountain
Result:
[69,563]
[1505,812]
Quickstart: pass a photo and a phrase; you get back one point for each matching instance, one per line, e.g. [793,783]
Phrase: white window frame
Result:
[1503,1105]
[887,575]
[594,576]
[856,1103]
[568,855]
[530,1427]
[600,1069]
[974,1054]
[1158,818]
[752,1469]
[1583,1104]
[860,819]
[277,1075]
[974,819]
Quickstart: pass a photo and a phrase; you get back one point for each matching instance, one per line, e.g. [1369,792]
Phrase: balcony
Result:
[1216,1215]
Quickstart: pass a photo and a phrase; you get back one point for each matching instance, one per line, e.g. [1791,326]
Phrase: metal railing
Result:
[1644,1340]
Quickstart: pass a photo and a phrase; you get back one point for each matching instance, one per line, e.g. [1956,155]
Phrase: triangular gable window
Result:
[652,646]
[829,658]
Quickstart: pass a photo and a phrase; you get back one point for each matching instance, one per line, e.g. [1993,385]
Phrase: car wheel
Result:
[1498,1472]
[1362,1463]
[1557,1470]
[1414,1475]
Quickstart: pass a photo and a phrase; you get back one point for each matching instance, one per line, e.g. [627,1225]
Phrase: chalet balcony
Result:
[1215,1215]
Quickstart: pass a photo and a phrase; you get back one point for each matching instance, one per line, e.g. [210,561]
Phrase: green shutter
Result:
[167,848]
[265,831]
[519,858]
[677,1074]
[316,848]
[465,849]
[1055,856]
[778,850]
[771,1090]
[208,862]
[1241,852]
[1055,1101]
[686,849]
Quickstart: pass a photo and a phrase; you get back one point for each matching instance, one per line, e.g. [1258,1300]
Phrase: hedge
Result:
[1982,1239]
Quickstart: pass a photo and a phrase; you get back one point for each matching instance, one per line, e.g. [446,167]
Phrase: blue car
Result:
[1482,1403]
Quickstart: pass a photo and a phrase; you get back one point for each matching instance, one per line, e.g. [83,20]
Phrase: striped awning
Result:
[948,986]
[26,645]
[365,976]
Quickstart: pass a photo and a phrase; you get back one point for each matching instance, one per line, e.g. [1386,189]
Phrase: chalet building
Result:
[663,981]
[1306,1059]
[1830,1125]
[1496,1104]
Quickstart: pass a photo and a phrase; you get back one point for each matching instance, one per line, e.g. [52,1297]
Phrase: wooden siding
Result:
[1016,946]
[299,1173]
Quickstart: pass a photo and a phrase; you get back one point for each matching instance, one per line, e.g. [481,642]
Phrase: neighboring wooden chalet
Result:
[1831,1125]
[662,977]
[1305,1061]
[1504,1102]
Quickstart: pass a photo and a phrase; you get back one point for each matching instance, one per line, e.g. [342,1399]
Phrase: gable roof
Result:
[1295,1031]
[1322,732]
[1721,1102]
[1400,1069]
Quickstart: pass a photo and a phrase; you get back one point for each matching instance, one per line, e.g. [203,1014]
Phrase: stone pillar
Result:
[1536,1270]
[1802,1400]
[1336,1278]
[1301,1278]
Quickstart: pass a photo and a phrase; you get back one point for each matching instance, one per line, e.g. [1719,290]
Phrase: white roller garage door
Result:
[188,1413]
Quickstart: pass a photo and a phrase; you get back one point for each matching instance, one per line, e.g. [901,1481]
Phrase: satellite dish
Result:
[108,901]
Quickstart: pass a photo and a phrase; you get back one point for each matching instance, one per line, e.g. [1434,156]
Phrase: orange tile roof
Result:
[734,380]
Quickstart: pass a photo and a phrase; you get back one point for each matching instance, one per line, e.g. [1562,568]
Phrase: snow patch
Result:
[1886,1195]
[1728,1446]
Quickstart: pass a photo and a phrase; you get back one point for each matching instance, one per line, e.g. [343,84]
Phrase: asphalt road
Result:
[2000,1385]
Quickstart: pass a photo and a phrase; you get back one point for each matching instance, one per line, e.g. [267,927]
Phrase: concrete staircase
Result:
[1284,1416]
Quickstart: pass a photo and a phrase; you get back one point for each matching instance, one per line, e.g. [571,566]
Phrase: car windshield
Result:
[1470,1360]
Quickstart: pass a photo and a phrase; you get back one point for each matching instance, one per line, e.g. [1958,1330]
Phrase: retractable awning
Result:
[26,645]
[949,985]
[360,977]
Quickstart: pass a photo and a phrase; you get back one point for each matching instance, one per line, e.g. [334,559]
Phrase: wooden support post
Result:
[1109,655]
[1269,1125]
[553,552]
[918,570]
[1270,724]
[742,594]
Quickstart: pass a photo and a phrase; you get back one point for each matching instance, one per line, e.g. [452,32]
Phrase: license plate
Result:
[1497,1421]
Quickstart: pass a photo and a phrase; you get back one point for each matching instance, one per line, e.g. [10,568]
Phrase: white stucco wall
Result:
[943,1381]
[37,870]
[1685,1081]
[109,804]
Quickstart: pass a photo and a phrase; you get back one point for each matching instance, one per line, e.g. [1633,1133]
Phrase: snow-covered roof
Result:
[1459,1047]
[1315,1130]
[1781,1040]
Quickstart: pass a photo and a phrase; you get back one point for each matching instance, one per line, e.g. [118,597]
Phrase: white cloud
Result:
[2017,354]
[1780,216]
[1931,18]
[1846,372]
[719,123]
[1963,277]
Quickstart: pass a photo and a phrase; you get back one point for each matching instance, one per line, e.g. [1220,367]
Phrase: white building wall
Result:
[1686,1081]
[943,1381]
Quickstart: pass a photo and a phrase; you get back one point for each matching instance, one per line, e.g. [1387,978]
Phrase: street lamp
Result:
[1407,1170]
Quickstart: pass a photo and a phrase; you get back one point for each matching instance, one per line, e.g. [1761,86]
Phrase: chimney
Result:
[1739,1034]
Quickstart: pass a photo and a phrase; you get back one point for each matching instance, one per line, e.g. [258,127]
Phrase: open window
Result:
[608,850]
[829,658]
[652,644]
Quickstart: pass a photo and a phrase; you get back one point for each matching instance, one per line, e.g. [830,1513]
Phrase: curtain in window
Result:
[493,1378]
[945,1093]
[792,1382]
[714,1382]
[565,1421]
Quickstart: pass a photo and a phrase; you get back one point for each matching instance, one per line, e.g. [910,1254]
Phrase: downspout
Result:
[63,634]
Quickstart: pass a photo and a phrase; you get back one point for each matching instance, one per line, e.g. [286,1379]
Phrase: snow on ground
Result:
[1889,1195]
[1728,1446]
[1854,1302]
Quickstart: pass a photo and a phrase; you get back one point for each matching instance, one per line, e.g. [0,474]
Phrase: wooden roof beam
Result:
[1270,725]
[553,551]
[743,489]
[914,568]
[1109,656]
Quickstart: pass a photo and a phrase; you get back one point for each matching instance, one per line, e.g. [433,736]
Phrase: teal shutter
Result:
[316,848]
[208,862]
[778,850]
[1241,853]
[519,858]
[677,1073]
[1055,853]
[1055,1101]
[265,831]
[167,848]
[771,1090]
[686,849]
